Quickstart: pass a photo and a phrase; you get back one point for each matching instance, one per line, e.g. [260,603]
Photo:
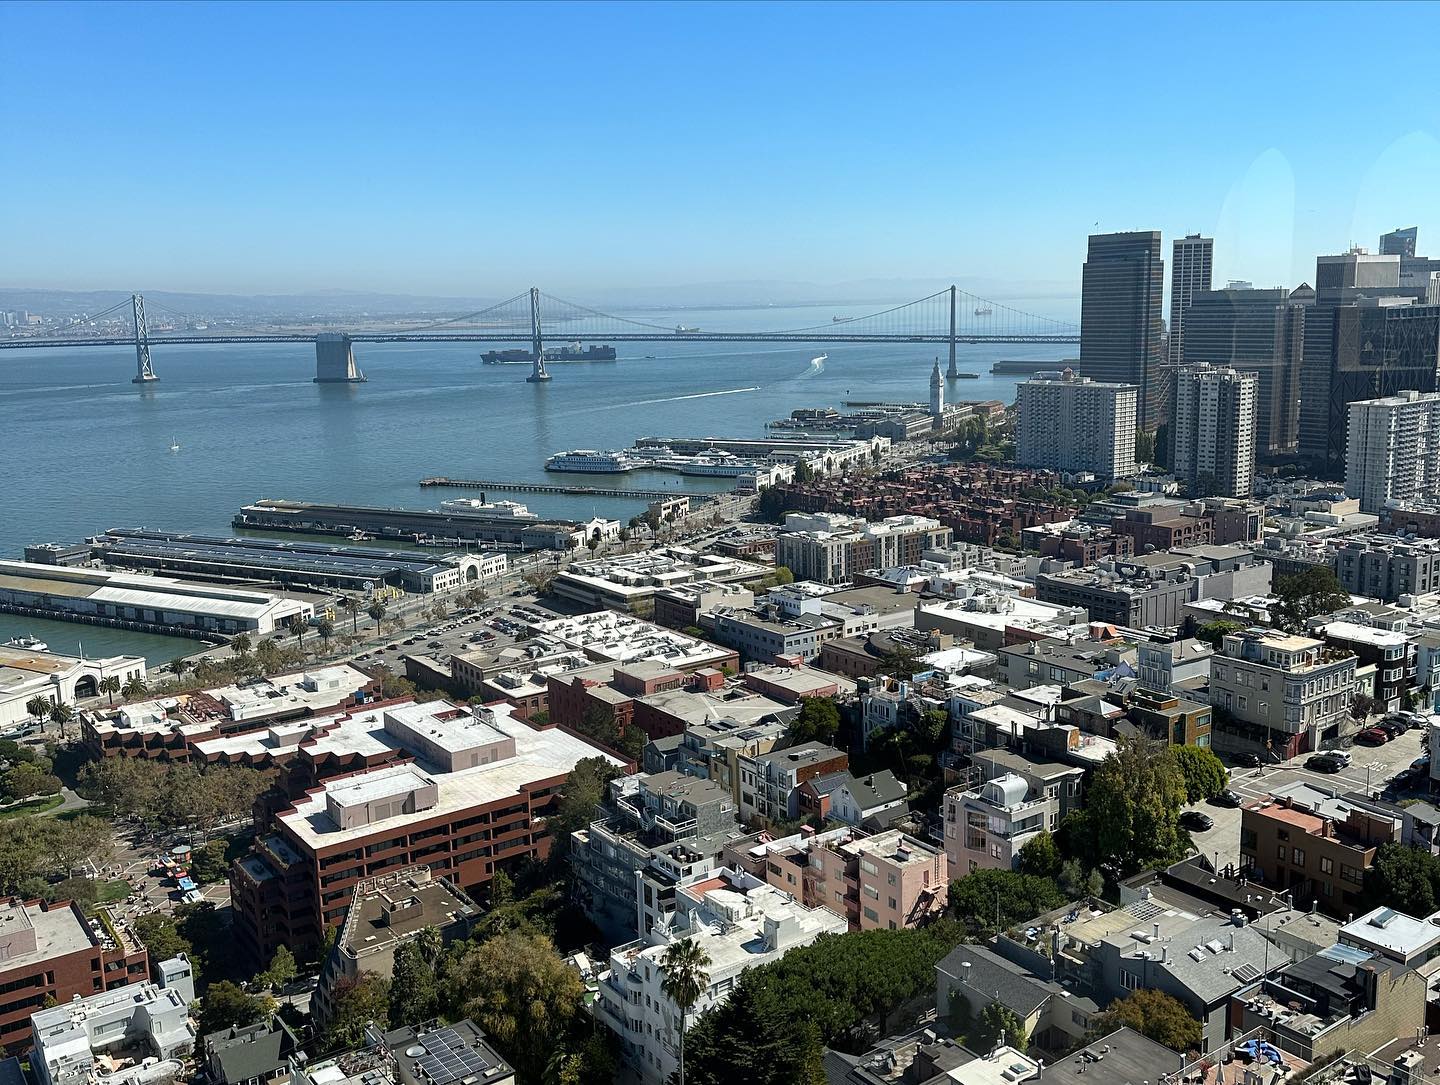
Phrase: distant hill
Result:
[1044,296]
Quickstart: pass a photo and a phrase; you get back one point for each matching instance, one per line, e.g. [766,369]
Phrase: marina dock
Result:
[553,488]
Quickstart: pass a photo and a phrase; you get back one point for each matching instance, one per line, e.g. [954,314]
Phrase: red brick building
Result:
[477,805]
[49,953]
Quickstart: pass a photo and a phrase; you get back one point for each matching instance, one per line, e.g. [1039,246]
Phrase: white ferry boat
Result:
[498,510]
[28,644]
[590,462]
[717,465]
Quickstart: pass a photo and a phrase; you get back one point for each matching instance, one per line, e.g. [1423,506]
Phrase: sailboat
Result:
[174,445]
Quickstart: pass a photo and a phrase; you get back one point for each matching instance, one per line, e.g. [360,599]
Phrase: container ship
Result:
[572,353]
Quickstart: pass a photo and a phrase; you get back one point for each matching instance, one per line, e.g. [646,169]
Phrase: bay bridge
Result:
[950,316]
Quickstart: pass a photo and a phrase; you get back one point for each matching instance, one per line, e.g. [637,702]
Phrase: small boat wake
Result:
[817,364]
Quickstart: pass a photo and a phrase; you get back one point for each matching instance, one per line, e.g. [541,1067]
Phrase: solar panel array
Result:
[449,1058]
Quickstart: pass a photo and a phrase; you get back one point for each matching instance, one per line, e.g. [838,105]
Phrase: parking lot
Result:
[496,624]
[1370,771]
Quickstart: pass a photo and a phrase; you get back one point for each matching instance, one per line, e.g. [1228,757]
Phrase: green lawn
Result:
[113,889]
[32,806]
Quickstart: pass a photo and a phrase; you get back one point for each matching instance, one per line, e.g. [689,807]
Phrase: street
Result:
[1370,770]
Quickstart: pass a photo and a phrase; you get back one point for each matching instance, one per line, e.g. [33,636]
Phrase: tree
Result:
[1205,774]
[62,714]
[1076,882]
[684,963]
[580,795]
[240,644]
[135,689]
[226,1006]
[26,779]
[1302,596]
[209,863]
[1040,857]
[997,1025]
[296,624]
[839,991]
[1362,706]
[1144,446]
[326,629]
[377,612]
[818,721]
[351,606]
[1132,807]
[1404,878]
[161,937]
[414,995]
[521,993]
[1215,632]
[358,1000]
[38,707]
[109,685]
[989,901]
[1161,1017]
[282,970]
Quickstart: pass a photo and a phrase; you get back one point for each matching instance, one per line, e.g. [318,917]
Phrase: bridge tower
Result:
[952,373]
[538,373]
[144,371]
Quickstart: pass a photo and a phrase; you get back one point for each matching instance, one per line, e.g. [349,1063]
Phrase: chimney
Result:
[1155,930]
[1164,954]
[1232,942]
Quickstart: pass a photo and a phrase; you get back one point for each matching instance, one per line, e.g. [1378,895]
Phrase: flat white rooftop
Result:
[539,755]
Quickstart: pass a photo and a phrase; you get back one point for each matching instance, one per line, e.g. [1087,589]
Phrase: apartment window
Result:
[1280,852]
[893,905]
[1129,980]
[1327,865]
[870,915]
[1298,857]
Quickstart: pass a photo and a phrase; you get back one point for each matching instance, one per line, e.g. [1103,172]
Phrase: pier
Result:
[557,488]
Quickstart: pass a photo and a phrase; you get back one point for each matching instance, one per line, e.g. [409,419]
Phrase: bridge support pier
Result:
[538,373]
[952,373]
[335,360]
[144,371]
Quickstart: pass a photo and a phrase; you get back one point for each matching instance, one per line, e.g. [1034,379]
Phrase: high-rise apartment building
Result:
[1191,263]
[1260,332]
[1399,242]
[1212,429]
[1121,330]
[1393,449]
[1072,423]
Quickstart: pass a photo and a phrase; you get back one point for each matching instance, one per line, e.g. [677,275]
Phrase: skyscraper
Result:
[1393,449]
[1260,332]
[1121,297]
[1399,242]
[1190,267]
[1070,423]
[1212,429]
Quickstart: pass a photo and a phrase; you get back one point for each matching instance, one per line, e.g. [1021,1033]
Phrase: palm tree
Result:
[376,611]
[38,707]
[326,629]
[430,942]
[684,964]
[240,644]
[135,689]
[297,626]
[62,714]
[110,685]
[351,606]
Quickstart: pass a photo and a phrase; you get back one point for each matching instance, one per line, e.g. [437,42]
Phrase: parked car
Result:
[1373,736]
[1228,799]
[1194,819]
[1248,760]
[1323,762]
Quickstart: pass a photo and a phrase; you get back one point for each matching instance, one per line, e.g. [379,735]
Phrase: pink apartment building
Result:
[886,881]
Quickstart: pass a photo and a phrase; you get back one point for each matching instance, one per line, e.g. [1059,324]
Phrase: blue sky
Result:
[475,149]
